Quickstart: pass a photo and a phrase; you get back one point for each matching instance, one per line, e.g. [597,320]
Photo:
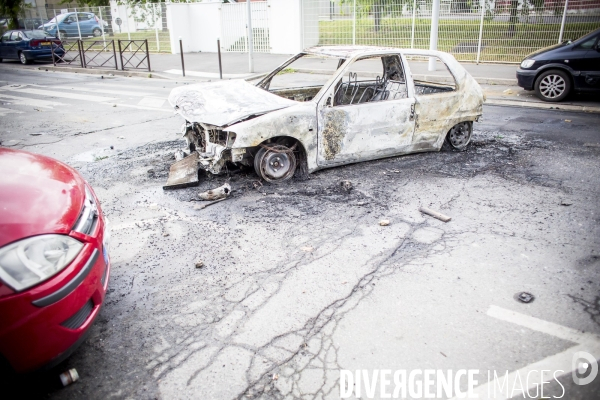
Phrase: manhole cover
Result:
[524,297]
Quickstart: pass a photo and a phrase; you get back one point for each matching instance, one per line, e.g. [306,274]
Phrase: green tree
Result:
[11,10]
[89,3]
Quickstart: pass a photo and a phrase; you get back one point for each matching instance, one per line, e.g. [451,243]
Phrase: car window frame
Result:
[7,35]
[349,63]
[594,45]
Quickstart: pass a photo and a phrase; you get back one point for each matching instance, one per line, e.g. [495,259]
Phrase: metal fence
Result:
[479,31]
[234,32]
[146,21]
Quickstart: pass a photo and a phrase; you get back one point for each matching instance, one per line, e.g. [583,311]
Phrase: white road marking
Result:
[151,102]
[90,89]
[27,101]
[562,361]
[63,93]
[207,74]
[9,111]
[144,108]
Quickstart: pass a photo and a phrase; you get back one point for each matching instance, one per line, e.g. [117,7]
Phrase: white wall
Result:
[285,30]
[199,26]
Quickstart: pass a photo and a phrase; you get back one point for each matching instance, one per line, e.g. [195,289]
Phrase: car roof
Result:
[346,51]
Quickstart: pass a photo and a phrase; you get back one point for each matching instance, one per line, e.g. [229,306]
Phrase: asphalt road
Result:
[300,280]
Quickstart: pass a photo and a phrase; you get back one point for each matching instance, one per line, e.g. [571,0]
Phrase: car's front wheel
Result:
[97,32]
[275,162]
[553,85]
[23,59]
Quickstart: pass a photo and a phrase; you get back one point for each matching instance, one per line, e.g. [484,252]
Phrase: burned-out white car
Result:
[324,107]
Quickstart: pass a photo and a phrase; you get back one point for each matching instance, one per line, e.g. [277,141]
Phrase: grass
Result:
[498,43]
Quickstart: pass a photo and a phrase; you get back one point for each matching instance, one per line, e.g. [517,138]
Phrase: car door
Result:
[16,39]
[69,25]
[588,65]
[366,113]
[4,44]
[437,103]
[85,23]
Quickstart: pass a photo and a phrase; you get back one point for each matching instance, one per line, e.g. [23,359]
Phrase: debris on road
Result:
[69,377]
[435,214]
[307,248]
[507,91]
[215,194]
[346,185]
[384,222]
[567,120]
[183,173]
[566,203]
[525,297]
[201,206]
[591,145]
[180,155]
[199,264]
[275,377]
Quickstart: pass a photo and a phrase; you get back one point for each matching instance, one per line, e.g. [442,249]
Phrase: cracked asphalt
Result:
[300,280]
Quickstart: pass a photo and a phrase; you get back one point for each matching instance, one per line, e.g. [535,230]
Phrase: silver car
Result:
[325,107]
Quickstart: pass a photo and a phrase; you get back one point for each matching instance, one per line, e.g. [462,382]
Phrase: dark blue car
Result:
[556,71]
[29,45]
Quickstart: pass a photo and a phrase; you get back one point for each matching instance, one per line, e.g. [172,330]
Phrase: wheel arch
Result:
[550,67]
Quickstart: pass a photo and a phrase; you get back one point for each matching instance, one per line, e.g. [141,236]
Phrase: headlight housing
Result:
[527,63]
[26,263]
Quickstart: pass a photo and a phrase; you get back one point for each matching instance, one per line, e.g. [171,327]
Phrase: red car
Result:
[54,265]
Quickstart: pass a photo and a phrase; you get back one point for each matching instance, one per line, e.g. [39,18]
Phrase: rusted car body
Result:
[368,106]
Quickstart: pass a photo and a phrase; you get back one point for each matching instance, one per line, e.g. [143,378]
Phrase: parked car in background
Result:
[73,24]
[31,23]
[556,71]
[29,45]
[54,263]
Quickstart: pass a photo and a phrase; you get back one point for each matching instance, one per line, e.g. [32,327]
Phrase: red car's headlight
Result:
[30,261]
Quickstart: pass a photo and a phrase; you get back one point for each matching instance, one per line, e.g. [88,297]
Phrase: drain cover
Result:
[524,297]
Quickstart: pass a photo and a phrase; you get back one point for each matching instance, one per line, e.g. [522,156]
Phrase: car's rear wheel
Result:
[459,136]
[553,85]
[24,59]
[96,32]
[275,162]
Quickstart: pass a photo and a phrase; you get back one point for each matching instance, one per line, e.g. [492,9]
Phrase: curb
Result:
[543,106]
[108,72]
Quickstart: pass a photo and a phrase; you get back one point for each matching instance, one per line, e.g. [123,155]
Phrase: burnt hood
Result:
[224,102]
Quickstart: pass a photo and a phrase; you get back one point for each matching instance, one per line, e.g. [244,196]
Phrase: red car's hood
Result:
[37,195]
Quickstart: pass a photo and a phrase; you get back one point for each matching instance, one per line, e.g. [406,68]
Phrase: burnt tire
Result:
[553,85]
[458,137]
[275,163]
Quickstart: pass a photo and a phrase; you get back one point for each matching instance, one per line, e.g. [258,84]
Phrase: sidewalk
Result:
[498,80]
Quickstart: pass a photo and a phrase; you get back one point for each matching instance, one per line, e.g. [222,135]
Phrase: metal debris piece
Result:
[183,173]
[199,264]
[201,206]
[566,203]
[384,222]
[567,120]
[525,297]
[435,214]
[215,194]
[346,185]
[69,377]
[180,155]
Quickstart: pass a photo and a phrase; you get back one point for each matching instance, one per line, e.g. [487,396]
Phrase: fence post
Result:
[181,52]
[102,27]
[433,37]
[121,55]
[81,53]
[354,23]
[562,23]
[147,55]
[127,20]
[220,65]
[412,33]
[250,37]
[480,30]
[77,22]
[156,29]
[115,56]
